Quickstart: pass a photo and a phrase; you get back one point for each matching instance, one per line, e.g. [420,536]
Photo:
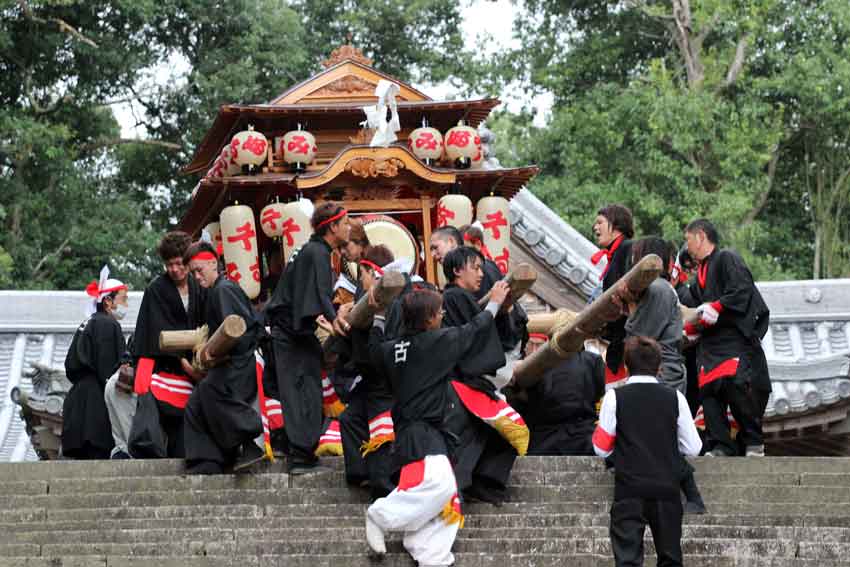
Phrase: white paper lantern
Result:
[454,210]
[271,220]
[463,144]
[230,167]
[298,148]
[493,213]
[426,144]
[249,147]
[241,255]
[296,229]
[214,230]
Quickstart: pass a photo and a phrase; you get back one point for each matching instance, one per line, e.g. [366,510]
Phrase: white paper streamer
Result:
[376,116]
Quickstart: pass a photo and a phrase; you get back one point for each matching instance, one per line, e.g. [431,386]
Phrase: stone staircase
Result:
[764,512]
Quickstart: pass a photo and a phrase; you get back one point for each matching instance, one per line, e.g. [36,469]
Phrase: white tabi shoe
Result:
[375,536]
[755,451]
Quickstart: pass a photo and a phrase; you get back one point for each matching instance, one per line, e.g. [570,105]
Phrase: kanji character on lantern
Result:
[454,210]
[463,144]
[298,148]
[426,144]
[296,226]
[271,220]
[493,213]
[249,148]
[240,247]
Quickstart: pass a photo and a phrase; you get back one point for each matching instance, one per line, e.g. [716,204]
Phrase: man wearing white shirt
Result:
[645,425]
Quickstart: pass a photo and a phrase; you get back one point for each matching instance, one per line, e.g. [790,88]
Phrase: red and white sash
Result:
[172,389]
[380,431]
[330,443]
[331,404]
[497,414]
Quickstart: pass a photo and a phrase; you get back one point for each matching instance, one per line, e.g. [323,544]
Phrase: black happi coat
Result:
[561,408]
[220,414]
[615,332]
[304,292]
[743,320]
[460,308]
[162,310]
[511,325]
[93,357]
[419,367]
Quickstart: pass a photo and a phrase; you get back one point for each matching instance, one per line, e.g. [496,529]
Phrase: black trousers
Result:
[629,518]
[736,395]
[298,365]
[220,414]
[377,466]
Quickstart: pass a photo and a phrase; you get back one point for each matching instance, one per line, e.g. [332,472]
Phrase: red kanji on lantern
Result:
[256,146]
[244,233]
[255,270]
[459,138]
[494,221]
[444,214]
[234,149]
[502,260]
[269,216]
[426,140]
[233,272]
[298,145]
[289,228]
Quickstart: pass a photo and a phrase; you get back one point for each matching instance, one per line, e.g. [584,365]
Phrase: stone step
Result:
[30,471]
[829,528]
[782,548]
[355,531]
[741,498]
[61,486]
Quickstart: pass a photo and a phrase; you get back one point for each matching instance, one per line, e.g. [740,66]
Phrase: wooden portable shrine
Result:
[366,180]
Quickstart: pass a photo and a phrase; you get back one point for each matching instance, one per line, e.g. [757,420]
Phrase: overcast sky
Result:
[481,17]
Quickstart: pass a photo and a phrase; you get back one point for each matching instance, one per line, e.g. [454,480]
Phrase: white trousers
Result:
[121,407]
[416,511]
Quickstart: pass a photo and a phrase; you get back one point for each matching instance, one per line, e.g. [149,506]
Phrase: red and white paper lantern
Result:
[250,148]
[493,213]
[241,255]
[463,145]
[271,220]
[454,210]
[296,229]
[426,144]
[298,148]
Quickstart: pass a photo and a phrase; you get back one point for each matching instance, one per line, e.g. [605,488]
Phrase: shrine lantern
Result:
[426,144]
[454,210]
[239,240]
[230,167]
[271,220]
[214,230]
[493,213]
[463,145]
[298,148]
[248,149]
[296,229]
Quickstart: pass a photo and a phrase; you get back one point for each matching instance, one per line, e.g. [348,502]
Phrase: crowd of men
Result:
[422,402]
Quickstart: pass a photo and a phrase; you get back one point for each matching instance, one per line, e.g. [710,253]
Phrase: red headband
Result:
[373,265]
[204,255]
[93,291]
[336,217]
[538,336]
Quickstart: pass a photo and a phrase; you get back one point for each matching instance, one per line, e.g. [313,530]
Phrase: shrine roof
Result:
[276,119]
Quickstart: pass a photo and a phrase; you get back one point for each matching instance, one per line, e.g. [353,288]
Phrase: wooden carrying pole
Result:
[387,288]
[218,345]
[569,339]
[545,323]
[520,280]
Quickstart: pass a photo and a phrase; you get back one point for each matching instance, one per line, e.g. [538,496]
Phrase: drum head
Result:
[382,229]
